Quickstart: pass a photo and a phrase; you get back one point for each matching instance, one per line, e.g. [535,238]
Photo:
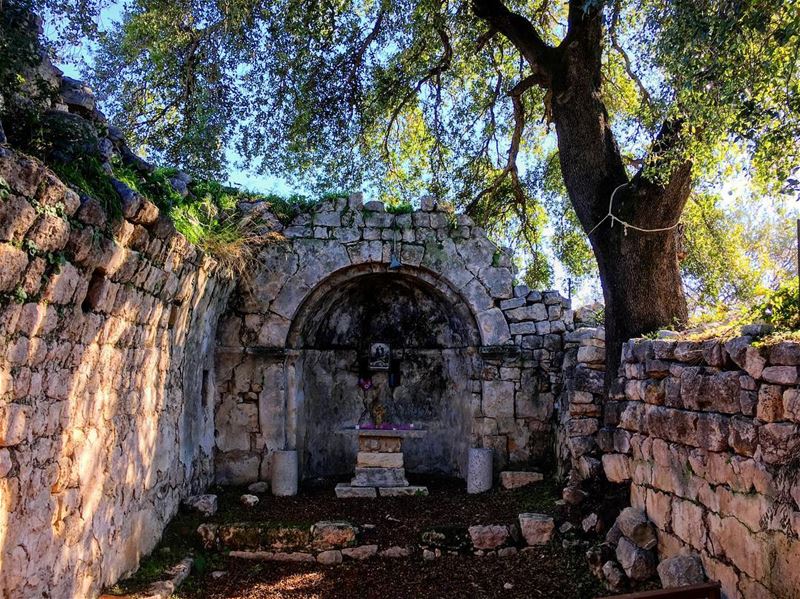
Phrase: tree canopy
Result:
[412,97]
[529,114]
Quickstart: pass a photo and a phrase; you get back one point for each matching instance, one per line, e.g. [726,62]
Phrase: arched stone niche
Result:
[434,342]
[484,354]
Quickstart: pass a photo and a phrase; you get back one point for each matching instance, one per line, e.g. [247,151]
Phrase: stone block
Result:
[329,558]
[779,442]
[581,427]
[510,304]
[780,375]
[498,399]
[748,552]
[370,459]
[635,526]
[743,436]
[13,262]
[379,444]
[332,534]
[248,500]
[533,312]
[489,536]
[536,529]
[361,552]
[48,233]
[203,504]
[712,432]
[770,403]
[16,217]
[786,353]
[13,424]
[616,467]
[591,355]
[638,563]
[379,477]
[345,491]
[409,491]
[681,570]
[679,426]
[791,404]
[516,479]
[717,392]
[688,523]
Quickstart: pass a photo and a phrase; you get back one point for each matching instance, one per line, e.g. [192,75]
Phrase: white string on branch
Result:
[627,225]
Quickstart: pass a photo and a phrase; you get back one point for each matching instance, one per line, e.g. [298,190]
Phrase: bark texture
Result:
[639,270]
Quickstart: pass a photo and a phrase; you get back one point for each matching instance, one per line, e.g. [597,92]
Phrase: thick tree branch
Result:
[358,57]
[520,32]
[515,93]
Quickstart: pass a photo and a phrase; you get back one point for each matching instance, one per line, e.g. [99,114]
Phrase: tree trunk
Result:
[642,286]
[638,270]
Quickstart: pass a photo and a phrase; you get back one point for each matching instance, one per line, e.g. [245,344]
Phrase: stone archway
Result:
[434,342]
[509,339]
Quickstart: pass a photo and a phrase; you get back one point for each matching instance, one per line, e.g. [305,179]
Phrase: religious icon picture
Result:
[379,356]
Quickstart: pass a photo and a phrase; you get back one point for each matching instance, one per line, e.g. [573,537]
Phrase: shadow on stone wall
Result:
[105,424]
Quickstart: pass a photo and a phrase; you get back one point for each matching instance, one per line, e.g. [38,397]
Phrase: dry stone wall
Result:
[580,405]
[106,382]
[508,339]
[708,435]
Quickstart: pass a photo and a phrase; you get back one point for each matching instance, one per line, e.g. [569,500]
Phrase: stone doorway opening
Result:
[427,377]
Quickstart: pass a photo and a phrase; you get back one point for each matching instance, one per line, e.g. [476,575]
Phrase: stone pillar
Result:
[292,413]
[479,470]
[284,472]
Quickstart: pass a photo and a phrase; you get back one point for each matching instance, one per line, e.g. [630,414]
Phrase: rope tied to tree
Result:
[626,225]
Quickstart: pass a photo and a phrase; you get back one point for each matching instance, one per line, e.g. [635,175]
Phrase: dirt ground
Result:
[558,570]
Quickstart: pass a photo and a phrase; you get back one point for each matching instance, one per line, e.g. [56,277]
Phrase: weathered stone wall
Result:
[708,434]
[106,382]
[495,347]
[580,405]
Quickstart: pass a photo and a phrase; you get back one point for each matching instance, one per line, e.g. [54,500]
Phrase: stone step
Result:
[369,459]
[380,477]
[402,491]
[345,491]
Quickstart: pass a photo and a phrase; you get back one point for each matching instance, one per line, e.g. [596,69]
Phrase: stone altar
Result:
[379,465]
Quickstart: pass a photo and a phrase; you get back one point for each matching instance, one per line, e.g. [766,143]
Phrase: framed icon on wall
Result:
[379,356]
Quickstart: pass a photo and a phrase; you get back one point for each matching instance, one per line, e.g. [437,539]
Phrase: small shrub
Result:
[400,208]
[87,175]
[781,307]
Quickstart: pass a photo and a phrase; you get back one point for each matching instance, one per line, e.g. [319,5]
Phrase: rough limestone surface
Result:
[707,433]
[536,529]
[638,563]
[293,336]
[329,558]
[134,372]
[106,384]
[634,525]
[361,552]
[681,570]
[516,479]
[479,470]
[489,536]
[248,500]
[203,504]
[332,534]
